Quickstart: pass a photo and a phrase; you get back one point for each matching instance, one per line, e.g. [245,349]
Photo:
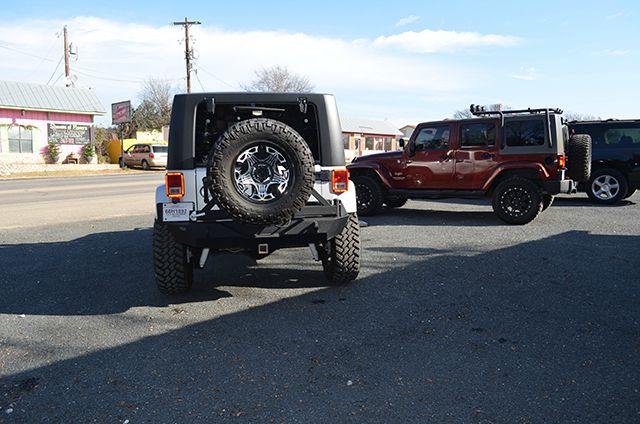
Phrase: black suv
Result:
[616,158]
[252,173]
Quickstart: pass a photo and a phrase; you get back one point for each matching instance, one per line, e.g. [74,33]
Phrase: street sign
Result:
[121,112]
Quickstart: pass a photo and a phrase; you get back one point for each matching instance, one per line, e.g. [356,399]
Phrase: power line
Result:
[218,78]
[54,71]
[198,78]
[26,54]
[43,59]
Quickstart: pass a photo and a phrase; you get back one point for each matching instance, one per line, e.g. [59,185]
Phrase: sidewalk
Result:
[50,170]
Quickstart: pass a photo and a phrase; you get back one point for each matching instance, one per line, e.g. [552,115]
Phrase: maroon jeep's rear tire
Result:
[547,200]
[395,202]
[517,200]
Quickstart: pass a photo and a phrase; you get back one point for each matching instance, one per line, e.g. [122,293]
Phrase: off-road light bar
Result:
[174,183]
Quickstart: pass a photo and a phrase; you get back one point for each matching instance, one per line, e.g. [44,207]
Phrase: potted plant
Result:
[53,151]
[88,152]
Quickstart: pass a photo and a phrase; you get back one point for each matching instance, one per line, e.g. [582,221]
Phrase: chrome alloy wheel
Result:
[261,173]
[605,187]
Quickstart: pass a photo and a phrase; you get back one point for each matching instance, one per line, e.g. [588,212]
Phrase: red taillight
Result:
[151,156]
[174,182]
[561,161]
[339,180]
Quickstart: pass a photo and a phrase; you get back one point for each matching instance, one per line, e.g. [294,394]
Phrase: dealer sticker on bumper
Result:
[172,212]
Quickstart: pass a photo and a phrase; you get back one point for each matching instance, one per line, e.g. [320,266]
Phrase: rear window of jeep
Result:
[209,127]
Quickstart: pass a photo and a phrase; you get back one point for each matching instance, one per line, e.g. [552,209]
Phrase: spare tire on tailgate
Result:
[579,157]
[260,172]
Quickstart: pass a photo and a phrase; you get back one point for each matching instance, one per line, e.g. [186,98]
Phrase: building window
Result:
[345,140]
[378,143]
[387,143]
[368,143]
[20,140]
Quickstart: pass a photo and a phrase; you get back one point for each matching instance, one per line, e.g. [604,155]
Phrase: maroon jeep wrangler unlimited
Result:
[518,158]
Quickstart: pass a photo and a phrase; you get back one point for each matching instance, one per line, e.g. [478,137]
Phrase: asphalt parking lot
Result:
[456,318]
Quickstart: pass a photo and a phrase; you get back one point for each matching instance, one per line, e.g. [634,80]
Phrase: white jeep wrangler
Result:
[253,173]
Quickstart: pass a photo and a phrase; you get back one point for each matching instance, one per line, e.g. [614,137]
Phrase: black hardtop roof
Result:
[251,97]
[605,121]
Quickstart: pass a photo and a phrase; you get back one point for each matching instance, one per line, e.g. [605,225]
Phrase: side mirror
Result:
[401,142]
[412,149]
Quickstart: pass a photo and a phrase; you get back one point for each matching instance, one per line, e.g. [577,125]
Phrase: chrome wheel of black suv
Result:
[607,186]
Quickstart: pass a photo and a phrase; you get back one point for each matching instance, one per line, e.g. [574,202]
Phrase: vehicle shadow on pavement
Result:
[543,331]
[107,273]
[433,217]
[585,201]
[241,270]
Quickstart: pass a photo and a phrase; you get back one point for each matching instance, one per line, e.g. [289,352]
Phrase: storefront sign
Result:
[121,112]
[69,133]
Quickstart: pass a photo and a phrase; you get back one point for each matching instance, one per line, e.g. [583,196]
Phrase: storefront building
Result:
[32,115]
[367,136]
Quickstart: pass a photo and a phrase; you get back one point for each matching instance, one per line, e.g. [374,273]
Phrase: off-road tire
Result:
[369,195]
[236,140]
[547,200]
[616,178]
[630,192]
[395,202]
[341,255]
[517,200]
[579,157]
[174,273]
[145,165]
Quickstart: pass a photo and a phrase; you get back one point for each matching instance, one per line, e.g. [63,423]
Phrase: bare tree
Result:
[466,113]
[154,110]
[278,79]
[576,116]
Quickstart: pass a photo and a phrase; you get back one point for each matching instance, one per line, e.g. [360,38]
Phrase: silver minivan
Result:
[146,156]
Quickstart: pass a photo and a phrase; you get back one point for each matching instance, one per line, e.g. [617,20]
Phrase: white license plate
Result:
[172,212]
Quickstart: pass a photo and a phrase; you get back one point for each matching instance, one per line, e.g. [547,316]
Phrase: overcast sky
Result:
[405,61]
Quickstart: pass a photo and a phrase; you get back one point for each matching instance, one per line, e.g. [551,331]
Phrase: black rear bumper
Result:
[560,186]
[218,231]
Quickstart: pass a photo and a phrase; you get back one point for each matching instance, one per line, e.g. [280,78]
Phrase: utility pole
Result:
[66,58]
[188,53]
